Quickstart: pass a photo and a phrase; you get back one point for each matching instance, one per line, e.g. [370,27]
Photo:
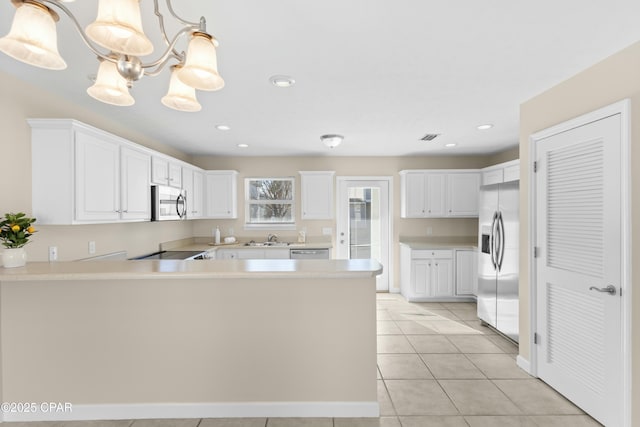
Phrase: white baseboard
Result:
[523,364]
[201,410]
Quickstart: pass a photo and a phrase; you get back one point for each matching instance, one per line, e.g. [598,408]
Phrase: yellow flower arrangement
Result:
[15,230]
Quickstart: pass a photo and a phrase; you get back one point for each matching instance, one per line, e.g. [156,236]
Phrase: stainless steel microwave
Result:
[168,203]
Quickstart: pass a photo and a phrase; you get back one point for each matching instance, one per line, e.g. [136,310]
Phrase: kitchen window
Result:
[270,203]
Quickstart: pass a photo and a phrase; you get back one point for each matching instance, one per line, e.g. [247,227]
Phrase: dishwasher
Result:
[309,253]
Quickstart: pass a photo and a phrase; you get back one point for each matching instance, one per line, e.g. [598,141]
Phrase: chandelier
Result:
[118,29]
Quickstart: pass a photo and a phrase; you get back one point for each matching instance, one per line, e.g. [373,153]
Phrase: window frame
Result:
[248,202]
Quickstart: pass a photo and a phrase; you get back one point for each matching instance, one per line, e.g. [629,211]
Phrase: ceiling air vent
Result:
[430,137]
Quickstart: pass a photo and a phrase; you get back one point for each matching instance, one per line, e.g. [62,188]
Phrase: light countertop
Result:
[441,242]
[196,269]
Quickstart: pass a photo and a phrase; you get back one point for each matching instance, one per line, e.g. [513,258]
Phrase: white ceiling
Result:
[381,72]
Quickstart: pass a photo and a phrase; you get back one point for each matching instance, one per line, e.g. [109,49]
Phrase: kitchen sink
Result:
[267,244]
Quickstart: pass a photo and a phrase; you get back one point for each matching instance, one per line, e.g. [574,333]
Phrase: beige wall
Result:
[343,166]
[611,80]
[199,341]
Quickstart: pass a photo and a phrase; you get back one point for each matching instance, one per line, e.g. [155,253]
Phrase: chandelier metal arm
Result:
[158,64]
[201,26]
[170,52]
[198,25]
[83,36]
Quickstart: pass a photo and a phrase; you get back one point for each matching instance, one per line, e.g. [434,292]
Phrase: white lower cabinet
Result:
[466,272]
[252,253]
[428,275]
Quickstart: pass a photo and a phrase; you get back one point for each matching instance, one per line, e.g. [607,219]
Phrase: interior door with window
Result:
[579,266]
[363,220]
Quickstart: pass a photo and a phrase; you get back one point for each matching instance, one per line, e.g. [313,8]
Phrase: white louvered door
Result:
[578,232]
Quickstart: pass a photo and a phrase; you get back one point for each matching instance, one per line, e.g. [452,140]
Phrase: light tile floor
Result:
[437,366]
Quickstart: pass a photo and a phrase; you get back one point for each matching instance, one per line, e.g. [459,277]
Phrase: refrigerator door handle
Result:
[502,240]
[494,258]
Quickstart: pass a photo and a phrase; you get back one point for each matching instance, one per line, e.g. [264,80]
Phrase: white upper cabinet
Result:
[135,168]
[317,194]
[221,189]
[422,194]
[193,184]
[166,172]
[83,175]
[503,172]
[438,193]
[462,194]
[97,182]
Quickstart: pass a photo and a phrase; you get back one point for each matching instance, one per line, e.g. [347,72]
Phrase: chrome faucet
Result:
[272,238]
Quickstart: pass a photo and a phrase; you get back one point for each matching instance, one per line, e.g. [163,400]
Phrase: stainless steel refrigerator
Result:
[498,242]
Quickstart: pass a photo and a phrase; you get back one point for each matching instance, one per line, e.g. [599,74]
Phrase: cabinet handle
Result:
[125,211]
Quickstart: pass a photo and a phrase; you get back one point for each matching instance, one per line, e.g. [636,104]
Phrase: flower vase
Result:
[14,257]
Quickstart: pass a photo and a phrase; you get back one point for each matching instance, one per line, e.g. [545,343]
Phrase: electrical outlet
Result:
[429,231]
[53,253]
[327,231]
[92,247]
[230,231]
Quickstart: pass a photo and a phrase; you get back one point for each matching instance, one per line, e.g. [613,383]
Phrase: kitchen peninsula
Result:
[190,339]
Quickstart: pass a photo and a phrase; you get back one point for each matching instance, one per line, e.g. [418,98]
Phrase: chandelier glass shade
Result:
[110,87]
[118,29]
[201,68]
[180,96]
[32,38]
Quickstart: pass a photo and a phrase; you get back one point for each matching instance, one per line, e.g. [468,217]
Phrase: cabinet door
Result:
[442,277]
[221,189]
[226,254]
[435,206]
[317,195]
[462,194]
[187,186]
[97,180]
[466,277]
[134,184]
[412,194]
[251,254]
[420,277]
[277,253]
[197,195]
[175,175]
[159,171]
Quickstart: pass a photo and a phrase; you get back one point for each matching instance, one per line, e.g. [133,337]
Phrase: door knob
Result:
[609,289]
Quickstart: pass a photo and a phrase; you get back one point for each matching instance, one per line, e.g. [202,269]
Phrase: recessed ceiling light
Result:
[282,81]
[243,145]
[451,144]
[223,127]
[485,127]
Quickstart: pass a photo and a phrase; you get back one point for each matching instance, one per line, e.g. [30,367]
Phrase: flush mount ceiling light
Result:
[243,146]
[450,145]
[118,29]
[331,140]
[223,127]
[282,81]
[485,126]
